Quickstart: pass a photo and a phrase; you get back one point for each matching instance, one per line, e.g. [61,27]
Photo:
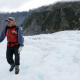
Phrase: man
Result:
[14,43]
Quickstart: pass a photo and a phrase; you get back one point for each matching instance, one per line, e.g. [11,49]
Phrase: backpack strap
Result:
[16,28]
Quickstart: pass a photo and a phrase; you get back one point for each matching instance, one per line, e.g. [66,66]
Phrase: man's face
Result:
[10,23]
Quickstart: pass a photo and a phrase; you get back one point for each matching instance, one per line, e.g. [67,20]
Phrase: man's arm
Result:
[2,36]
[20,37]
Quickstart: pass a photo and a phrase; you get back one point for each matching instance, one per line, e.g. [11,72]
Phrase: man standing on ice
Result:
[14,43]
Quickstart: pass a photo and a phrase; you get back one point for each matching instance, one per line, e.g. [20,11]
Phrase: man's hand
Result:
[20,49]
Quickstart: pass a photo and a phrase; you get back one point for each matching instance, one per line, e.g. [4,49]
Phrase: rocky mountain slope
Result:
[19,18]
[56,17]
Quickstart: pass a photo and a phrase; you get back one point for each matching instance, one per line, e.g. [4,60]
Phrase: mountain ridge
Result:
[57,17]
[46,19]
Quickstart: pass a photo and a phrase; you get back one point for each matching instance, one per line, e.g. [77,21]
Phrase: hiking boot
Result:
[12,67]
[16,70]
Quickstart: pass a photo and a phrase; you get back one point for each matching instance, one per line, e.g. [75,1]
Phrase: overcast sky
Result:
[24,5]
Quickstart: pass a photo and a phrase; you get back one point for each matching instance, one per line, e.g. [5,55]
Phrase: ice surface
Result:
[45,57]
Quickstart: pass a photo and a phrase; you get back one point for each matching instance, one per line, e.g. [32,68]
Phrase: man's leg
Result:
[9,56]
[17,59]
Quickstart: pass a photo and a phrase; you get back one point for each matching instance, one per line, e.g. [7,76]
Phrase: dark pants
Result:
[9,55]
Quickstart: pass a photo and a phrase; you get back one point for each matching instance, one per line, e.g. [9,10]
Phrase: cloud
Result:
[38,3]
[35,4]
[11,4]
[24,5]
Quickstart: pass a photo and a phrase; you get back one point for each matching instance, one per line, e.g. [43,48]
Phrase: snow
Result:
[45,57]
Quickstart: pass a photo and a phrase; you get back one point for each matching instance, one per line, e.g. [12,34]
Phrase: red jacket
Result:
[11,37]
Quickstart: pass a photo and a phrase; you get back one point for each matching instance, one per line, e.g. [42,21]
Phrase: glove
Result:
[20,49]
